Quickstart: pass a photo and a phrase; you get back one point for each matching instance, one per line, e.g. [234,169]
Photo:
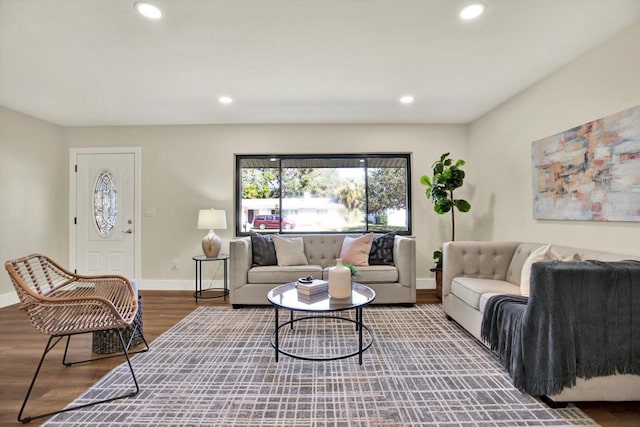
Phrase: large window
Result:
[323,193]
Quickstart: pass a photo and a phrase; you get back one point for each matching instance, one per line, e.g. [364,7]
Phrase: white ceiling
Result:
[97,62]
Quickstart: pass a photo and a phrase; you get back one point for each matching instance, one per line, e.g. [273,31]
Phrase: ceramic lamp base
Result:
[211,245]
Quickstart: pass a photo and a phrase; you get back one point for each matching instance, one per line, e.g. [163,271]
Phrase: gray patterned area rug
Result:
[217,368]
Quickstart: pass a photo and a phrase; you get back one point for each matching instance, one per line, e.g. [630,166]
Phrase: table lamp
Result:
[210,219]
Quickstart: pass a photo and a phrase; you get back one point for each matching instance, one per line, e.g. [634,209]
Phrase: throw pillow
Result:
[264,252]
[289,251]
[382,249]
[355,250]
[543,253]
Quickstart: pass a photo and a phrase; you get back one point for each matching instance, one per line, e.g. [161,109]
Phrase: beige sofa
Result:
[393,284]
[475,271]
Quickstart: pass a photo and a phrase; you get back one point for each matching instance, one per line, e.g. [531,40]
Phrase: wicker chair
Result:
[60,304]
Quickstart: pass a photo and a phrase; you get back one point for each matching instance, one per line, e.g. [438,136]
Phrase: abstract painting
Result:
[590,172]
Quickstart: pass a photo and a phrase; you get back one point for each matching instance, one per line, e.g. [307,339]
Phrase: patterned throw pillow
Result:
[264,253]
[382,249]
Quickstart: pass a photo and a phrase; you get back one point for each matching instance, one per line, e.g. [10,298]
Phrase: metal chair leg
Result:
[139,332]
[48,348]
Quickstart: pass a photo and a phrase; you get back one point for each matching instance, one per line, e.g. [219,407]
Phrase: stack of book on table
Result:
[312,289]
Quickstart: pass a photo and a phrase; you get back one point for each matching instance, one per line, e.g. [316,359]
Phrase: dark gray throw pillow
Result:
[264,253]
[382,249]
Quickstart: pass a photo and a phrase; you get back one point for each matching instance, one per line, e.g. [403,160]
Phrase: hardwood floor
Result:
[21,347]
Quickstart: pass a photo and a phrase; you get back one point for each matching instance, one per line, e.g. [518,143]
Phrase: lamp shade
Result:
[212,219]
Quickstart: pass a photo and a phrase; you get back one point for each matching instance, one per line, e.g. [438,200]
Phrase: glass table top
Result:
[286,296]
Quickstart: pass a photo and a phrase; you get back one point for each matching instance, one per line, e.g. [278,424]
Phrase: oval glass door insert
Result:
[105,203]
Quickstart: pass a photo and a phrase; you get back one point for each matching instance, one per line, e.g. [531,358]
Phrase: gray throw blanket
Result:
[581,320]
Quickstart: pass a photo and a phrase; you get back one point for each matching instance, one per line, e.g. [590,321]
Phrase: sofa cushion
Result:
[355,250]
[485,297]
[382,249]
[470,289]
[289,251]
[279,275]
[373,274]
[262,249]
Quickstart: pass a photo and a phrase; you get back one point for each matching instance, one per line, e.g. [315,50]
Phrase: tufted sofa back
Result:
[524,250]
[482,260]
[322,249]
[503,260]
[520,255]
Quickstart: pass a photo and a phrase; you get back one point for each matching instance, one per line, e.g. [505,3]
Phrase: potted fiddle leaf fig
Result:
[447,177]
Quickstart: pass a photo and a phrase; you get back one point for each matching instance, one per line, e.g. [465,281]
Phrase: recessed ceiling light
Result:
[472,11]
[148,10]
[407,99]
[225,100]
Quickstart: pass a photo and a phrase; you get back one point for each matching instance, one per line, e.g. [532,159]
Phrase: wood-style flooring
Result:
[21,347]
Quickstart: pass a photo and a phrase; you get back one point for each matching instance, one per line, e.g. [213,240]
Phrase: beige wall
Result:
[186,168]
[604,81]
[33,190]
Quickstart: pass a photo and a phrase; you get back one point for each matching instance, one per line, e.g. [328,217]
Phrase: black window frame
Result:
[366,156]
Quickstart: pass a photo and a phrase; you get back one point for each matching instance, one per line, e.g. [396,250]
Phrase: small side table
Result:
[199,259]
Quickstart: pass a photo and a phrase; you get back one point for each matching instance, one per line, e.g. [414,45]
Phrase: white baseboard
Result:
[176,285]
[8,299]
[181,285]
[11,298]
[165,285]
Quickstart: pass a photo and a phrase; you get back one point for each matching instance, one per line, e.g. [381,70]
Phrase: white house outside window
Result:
[323,193]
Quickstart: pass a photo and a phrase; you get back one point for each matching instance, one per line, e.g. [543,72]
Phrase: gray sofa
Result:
[475,271]
[393,284]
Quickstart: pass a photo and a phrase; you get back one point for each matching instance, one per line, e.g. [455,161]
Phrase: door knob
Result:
[129,231]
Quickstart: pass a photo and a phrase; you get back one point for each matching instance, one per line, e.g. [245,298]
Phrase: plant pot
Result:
[439,283]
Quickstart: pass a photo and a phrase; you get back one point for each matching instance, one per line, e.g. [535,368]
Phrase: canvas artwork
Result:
[590,172]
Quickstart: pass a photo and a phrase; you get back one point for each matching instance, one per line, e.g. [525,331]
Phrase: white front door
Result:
[105,217]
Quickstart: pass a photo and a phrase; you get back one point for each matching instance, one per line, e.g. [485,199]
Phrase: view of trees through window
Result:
[337,193]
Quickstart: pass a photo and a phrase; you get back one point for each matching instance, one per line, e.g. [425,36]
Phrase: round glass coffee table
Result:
[286,297]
